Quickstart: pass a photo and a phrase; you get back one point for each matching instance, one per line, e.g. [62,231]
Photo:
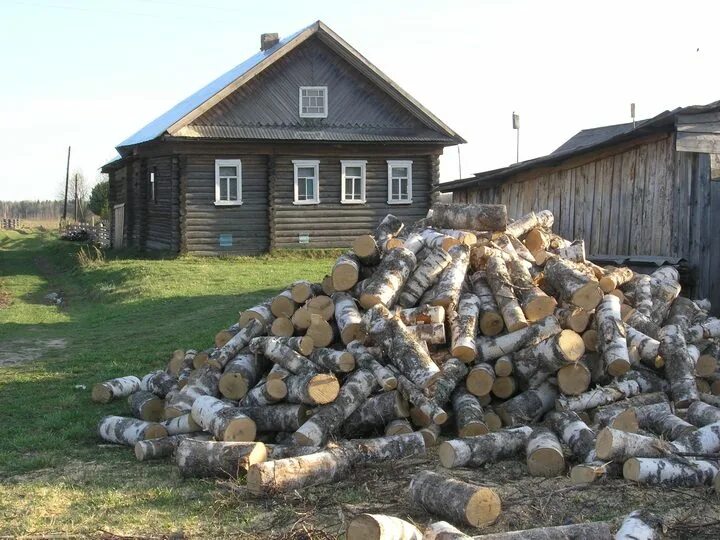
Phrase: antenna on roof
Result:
[632,113]
[516,126]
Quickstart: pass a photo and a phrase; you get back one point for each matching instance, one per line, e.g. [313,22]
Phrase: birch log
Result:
[529,406]
[424,314]
[678,366]
[332,360]
[240,374]
[612,341]
[261,312]
[348,317]
[602,395]
[345,272]
[469,417]
[544,455]
[369,247]
[502,288]
[615,278]
[464,328]
[574,285]
[196,458]
[164,447]
[521,226]
[491,348]
[473,217]
[367,359]
[282,355]
[239,341]
[450,281]
[115,389]
[158,382]
[381,527]
[424,276]
[640,525]
[442,530]
[573,432]
[312,388]
[534,302]
[145,405]
[597,530]
[128,431]
[670,471]
[225,422]
[490,322]
[384,286]
[453,373]
[701,414]
[454,500]
[203,382]
[548,356]
[489,448]
[376,412]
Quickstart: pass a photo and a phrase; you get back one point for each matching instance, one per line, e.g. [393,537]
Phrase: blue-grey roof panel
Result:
[160,125]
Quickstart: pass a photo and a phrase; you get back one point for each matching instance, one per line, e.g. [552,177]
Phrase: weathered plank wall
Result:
[332,224]
[117,194]
[644,200]
[203,222]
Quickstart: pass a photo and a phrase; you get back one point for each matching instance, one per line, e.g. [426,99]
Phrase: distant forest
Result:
[33,210]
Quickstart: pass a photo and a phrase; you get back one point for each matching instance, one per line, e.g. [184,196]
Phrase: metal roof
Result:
[161,124]
[585,141]
[353,134]
[177,118]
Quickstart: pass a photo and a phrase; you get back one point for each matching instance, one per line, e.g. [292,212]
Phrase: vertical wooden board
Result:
[589,202]
[579,202]
[603,177]
[701,216]
[569,189]
[626,202]
[557,193]
[668,181]
[713,260]
[613,223]
[638,197]
[648,204]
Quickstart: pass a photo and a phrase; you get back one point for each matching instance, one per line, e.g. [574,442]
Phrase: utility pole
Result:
[76,200]
[632,113]
[516,127]
[67,180]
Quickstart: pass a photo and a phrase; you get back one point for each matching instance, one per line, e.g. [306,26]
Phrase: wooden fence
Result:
[10,223]
[98,233]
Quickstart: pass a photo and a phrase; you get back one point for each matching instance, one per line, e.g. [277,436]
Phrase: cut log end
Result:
[574,379]
[483,507]
[491,324]
[447,455]
[631,469]
[540,307]
[588,296]
[101,394]
[276,388]
[282,327]
[571,344]
[365,246]
[155,431]
[323,388]
[546,462]
[233,385]
[473,428]
[240,430]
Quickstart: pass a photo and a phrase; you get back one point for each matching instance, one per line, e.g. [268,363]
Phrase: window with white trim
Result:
[306,185]
[399,182]
[153,194]
[352,180]
[228,182]
[313,102]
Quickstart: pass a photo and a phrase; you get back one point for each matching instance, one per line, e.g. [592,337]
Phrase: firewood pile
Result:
[491,339]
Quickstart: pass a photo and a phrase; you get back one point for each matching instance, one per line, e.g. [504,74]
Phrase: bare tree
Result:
[78,190]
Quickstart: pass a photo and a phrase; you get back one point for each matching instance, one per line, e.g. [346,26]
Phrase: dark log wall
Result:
[647,199]
[332,224]
[159,210]
[117,194]
[203,222]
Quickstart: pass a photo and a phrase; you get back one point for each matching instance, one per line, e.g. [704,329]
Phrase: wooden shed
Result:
[649,192]
[305,144]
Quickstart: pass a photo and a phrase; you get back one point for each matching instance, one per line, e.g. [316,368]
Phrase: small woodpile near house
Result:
[492,339]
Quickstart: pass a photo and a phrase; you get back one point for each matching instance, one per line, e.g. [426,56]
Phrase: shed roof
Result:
[587,140]
[176,119]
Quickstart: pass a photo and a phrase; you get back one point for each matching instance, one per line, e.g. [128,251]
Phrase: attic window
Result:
[313,102]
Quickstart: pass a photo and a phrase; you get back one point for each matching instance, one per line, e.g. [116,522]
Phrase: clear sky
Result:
[89,73]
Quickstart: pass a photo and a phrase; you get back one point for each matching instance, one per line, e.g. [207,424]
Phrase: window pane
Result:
[301,189]
[399,171]
[353,171]
[306,172]
[228,171]
[404,189]
[233,189]
[310,188]
[223,190]
[348,188]
[395,193]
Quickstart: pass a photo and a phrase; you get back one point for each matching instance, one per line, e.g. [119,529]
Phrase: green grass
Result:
[121,316]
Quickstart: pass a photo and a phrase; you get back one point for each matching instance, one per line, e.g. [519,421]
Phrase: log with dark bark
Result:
[489,448]
[196,458]
[381,527]
[702,414]
[128,431]
[332,360]
[548,356]
[425,410]
[455,500]
[354,391]
[665,288]
[280,417]
[453,373]
[368,359]
[369,247]
[282,355]
[433,333]
[121,387]
[469,415]
[665,424]
[424,276]
[490,322]
[574,285]
[472,217]
[384,286]
[158,382]
[573,432]
[203,382]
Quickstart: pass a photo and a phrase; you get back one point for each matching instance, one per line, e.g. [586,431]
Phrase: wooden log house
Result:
[305,144]
[640,195]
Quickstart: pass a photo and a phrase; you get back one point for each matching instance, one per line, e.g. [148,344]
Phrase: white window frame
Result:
[228,163]
[352,163]
[399,163]
[325,102]
[315,164]
[153,193]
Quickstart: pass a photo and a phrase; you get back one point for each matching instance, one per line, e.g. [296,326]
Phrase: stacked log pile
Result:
[498,338]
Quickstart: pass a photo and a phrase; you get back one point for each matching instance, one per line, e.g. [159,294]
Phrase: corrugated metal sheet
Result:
[158,126]
[349,134]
